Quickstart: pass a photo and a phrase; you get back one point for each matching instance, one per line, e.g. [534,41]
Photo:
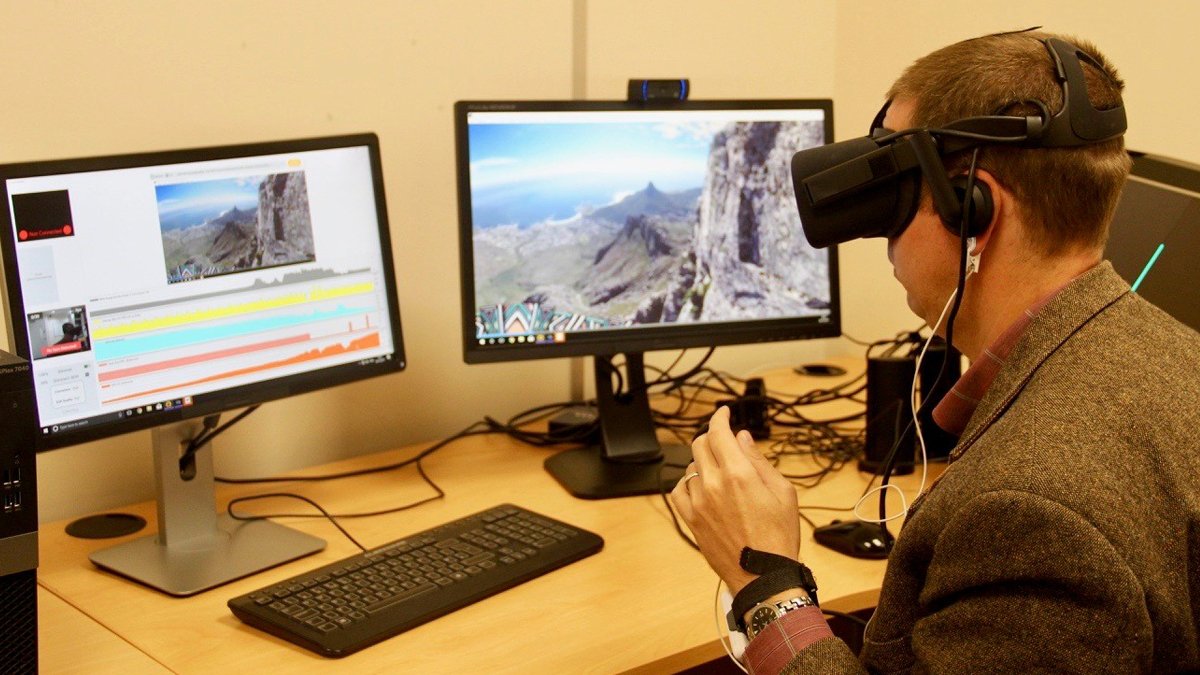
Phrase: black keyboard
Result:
[340,608]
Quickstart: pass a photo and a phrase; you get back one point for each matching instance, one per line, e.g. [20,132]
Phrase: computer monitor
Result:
[609,228]
[1154,240]
[152,290]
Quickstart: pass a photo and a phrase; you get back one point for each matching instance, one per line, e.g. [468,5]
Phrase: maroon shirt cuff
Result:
[773,648]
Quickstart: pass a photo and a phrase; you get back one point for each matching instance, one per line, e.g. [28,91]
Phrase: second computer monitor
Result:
[600,227]
[605,228]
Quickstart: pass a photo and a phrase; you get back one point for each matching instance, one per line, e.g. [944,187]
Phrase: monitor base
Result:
[586,474]
[239,548]
[196,548]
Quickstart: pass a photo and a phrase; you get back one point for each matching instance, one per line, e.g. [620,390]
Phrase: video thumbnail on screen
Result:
[231,225]
[59,331]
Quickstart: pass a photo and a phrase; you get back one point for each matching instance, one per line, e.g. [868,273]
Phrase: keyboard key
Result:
[401,597]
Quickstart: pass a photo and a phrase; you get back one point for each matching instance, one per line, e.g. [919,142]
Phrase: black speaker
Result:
[889,411]
[18,519]
[938,442]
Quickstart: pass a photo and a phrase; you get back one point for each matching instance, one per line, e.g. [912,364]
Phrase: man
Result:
[1065,533]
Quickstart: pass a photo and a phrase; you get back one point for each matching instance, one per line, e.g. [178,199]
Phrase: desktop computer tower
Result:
[889,411]
[18,518]
[889,407]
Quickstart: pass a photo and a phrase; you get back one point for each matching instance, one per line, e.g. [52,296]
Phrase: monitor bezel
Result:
[643,339]
[233,397]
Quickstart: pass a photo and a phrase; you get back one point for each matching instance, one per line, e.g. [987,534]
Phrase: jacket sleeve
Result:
[1016,583]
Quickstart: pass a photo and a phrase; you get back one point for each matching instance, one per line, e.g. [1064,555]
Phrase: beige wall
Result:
[96,77]
[86,78]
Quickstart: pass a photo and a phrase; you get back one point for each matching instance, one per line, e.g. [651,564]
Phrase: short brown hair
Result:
[1066,195]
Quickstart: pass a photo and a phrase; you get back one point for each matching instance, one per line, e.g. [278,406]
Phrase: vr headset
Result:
[871,186]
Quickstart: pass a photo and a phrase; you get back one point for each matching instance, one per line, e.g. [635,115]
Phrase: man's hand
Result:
[737,500]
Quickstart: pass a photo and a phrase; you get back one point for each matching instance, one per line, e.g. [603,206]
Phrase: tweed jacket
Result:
[1064,536]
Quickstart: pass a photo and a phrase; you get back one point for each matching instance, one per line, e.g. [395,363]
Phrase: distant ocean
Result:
[200,214]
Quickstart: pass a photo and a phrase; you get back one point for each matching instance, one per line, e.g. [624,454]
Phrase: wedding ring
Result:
[690,476]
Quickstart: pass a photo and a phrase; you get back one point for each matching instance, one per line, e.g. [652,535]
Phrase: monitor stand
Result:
[195,549]
[631,461]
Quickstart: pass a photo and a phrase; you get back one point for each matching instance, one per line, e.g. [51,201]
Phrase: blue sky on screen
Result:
[206,196]
[525,173]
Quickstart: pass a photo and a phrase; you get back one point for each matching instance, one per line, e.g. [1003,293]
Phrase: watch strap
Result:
[776,574]
[781,607]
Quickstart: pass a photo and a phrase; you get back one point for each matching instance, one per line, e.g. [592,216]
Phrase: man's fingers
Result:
[682,502]
[721,442]
[750,450]
[766,471]
[702,454]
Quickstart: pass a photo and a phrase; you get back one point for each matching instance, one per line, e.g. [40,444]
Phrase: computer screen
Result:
[603,228]
[1154,239]
[149,290]
[598,228]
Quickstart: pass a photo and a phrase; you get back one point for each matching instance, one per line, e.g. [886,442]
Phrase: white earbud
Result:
[972,257]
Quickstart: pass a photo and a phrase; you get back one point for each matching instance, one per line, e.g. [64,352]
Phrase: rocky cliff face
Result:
[750,257]
[635,266]
[610,264]
[223,244]
[284,225]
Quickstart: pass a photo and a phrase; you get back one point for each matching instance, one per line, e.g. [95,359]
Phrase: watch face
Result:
[760,618]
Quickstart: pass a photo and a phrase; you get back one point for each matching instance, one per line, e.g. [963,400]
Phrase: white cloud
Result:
[701,132]
[491,162]
[600,167]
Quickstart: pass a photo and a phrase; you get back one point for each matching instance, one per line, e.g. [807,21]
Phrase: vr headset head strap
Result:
[869,187]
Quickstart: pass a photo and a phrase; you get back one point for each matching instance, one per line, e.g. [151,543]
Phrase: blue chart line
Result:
[130,346]
[1146,270]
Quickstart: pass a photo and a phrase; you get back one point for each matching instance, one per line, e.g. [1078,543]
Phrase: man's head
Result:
[1064,196]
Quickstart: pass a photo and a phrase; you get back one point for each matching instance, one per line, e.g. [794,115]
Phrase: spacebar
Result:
[406,595]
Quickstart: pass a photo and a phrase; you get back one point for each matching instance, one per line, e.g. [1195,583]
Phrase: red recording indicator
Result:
[62,348]
[46,233]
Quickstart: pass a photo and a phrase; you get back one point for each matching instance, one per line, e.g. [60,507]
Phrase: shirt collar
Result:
[955,409]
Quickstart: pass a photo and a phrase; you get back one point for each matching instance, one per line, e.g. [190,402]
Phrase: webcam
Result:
[658,90]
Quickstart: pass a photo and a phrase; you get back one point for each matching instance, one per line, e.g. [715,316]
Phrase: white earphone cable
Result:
[920,435]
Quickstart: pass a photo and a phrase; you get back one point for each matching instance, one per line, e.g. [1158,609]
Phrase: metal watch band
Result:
[781,607]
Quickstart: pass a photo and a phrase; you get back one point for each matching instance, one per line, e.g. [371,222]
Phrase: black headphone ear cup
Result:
[980,205]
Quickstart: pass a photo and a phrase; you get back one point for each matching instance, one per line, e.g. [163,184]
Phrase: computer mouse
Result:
[855,538]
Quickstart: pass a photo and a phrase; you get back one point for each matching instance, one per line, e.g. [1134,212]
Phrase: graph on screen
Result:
[192,345]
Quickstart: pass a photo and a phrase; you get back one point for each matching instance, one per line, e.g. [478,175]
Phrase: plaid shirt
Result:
[957,406]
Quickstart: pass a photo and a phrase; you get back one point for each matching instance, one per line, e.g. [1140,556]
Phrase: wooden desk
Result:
[71,642]
[644,603]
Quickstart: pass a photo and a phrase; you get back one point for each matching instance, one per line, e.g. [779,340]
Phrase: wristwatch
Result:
[762,614]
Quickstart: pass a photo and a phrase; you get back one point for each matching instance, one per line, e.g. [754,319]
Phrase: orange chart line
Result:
[365,342]
[188,360]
